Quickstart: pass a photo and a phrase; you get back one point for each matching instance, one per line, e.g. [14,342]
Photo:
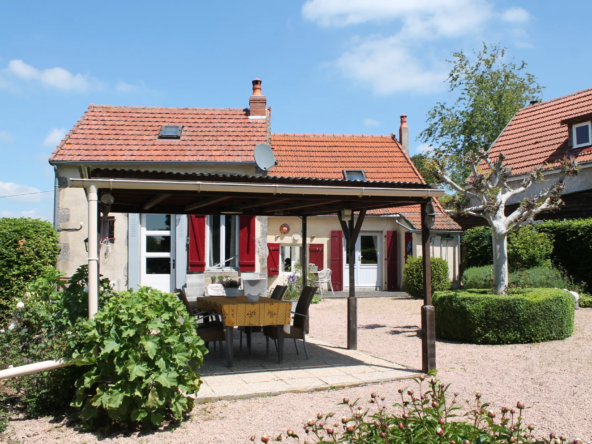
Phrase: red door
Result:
[246,252]
[273,259]
[197,243]
[316,255]
[337,260]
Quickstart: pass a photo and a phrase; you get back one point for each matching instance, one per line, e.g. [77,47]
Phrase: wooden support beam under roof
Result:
[155,200]
[299,206]
[205,202]
[262,203]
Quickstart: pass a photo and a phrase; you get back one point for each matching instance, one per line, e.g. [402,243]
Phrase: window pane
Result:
[158,222]
[286,258]
[355,175]
[582,135]
[230,250]
[158,244]
[158,265]
[214,241]
[369,249]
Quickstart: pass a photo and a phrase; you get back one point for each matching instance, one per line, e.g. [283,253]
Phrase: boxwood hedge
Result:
[477,316]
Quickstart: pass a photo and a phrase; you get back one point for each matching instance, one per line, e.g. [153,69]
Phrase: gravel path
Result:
[553,378]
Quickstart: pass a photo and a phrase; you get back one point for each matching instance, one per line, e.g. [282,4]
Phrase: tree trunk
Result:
[500,262]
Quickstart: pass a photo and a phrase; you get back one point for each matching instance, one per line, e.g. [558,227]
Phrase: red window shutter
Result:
[337,259]
[273,259]
[197,242]
[246,252]
[316,255]
[408,245]
[391,260]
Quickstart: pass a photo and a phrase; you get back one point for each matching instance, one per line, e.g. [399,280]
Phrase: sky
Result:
[327,66]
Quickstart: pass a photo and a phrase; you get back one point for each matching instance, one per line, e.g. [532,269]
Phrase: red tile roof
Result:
[413,214]
[130,134]
[327,155]
[536,135]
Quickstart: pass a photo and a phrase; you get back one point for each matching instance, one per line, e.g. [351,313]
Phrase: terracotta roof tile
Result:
[413,214]
[130,134]
[536,136]
[322,155]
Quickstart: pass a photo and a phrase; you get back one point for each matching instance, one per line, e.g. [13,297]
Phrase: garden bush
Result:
[525,315]
[42,327]
[527,248]
[538,277]
[413,276]
[27,247]
[572,246]
[424,414]
[145,351]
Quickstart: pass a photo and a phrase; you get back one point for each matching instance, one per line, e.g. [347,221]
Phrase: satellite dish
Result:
[264,157]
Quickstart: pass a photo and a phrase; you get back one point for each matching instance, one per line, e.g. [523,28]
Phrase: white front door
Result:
[367,266]
[157,251]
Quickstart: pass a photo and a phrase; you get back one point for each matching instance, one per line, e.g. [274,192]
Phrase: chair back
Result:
[278,292]
[325,274]
[302,306]
[181,295]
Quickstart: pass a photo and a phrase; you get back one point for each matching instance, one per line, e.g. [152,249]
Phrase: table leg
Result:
[280,339]
[249,331]
[229,345]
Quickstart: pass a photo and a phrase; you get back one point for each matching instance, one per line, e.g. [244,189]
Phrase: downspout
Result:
[56,198]
[411,230]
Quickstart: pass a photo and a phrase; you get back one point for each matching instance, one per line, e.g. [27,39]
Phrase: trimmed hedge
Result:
[477,316]
[572,247]
[413,276]
[27,247]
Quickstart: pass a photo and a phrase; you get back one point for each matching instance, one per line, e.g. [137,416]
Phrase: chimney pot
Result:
[257,102]
[404,133]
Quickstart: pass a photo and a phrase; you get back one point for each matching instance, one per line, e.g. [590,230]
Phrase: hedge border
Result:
[479,317]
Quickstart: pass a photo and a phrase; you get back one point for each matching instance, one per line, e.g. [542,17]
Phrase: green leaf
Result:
[138,414]
[115,399]
[156,418]
[110,345]
[150,346]
[167,380]
[137,371]
[89,411]
[152,401]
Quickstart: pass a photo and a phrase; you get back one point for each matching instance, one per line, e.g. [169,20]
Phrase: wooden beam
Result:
[155,200]
[262,203]
[299,206]
[205,202]
[428,312]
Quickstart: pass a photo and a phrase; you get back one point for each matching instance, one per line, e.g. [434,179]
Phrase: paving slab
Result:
[258,374]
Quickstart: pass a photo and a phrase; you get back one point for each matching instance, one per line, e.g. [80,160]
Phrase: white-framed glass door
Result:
[368,272]
[157,251]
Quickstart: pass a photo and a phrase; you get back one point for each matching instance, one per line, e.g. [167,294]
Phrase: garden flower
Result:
[12,326]
[20,305]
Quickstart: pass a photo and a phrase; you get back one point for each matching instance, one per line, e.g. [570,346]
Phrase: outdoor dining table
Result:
[239,312]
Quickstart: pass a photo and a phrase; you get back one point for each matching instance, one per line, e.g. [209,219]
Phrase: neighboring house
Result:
[540,135]
[162,250]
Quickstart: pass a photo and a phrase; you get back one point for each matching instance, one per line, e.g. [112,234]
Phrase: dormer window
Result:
[355,175]
[582,134]
[170,132]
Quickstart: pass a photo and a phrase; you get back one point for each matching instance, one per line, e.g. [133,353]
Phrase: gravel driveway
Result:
[553,378]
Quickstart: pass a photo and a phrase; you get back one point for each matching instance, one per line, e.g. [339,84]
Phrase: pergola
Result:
[127,191]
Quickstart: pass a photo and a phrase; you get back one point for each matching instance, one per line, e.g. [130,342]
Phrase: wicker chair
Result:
[298,327]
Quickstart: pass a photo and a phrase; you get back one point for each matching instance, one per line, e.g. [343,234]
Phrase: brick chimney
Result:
[257,102]
[404,133]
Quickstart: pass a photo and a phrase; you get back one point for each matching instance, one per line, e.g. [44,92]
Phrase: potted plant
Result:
[230,286]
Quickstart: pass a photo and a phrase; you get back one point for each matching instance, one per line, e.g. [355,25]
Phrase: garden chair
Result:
[298,327]
[324,277]
[277,294]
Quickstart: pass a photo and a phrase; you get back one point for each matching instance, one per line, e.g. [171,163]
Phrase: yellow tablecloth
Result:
[239,312]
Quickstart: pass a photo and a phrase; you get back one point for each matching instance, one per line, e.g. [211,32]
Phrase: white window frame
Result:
[223,258]
[293,265]
[577,125]
[345,174]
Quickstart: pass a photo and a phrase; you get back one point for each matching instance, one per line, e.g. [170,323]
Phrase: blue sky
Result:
[328,66]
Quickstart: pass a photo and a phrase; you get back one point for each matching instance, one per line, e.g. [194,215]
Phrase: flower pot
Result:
[231,292]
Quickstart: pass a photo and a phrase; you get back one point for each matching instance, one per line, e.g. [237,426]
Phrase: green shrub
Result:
[413,276]
[572,247]
[538,277]
[585,301]
[477,316]
[527,248]
[426,413]
[43,328]
[27,246]
[144,350]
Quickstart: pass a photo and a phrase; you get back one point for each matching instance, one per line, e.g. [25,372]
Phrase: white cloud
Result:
[58,78]
[386,66]
[55,136]
[371,122]
[516,15]
[23,193]
[122,86]
[6,137]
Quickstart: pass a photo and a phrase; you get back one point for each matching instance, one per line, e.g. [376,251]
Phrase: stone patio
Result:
[260,375]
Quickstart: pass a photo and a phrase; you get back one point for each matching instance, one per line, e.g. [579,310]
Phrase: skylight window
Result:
[170,132]
[355,175]
[582,135]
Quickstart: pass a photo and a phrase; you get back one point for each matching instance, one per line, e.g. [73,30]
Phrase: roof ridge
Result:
[331,135]
[556,99]
[164,107]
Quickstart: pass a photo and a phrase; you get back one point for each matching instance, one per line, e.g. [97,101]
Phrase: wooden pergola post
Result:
[428,312]
[351,232]
[304,258]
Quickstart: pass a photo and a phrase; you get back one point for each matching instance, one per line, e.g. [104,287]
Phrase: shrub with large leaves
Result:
[145,353]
